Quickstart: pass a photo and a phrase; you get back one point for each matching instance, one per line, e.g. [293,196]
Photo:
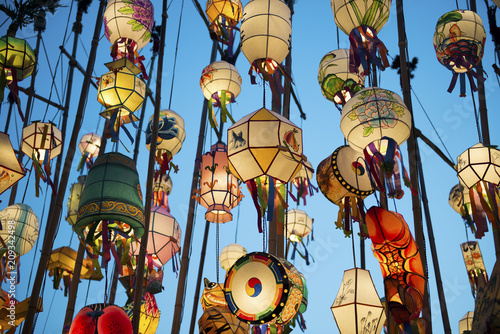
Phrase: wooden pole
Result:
[139,275]
[9,112]
[56,214]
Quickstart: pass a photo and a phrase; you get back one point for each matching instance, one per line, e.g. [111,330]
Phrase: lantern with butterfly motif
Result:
[10,169]
[474,264]
[223,16]
[89,147]
[361,20]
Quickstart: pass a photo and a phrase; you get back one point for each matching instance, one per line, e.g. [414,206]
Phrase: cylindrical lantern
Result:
[357,308]
[459,43]
[230,254]
[264,143]
[474,264]
[218,191]
[164,239]
[129,23]
[10,169]
[171,133]
[150,314]
[18,56]
[465,324]
[266,31]
[42,141]
[217,320]
[75,194]
[260,288]
[298,225]
[90,143]
[220,81]
[19,227]
[337,83]
[101,318]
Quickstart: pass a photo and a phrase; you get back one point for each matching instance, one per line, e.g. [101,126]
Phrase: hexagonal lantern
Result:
[17,56]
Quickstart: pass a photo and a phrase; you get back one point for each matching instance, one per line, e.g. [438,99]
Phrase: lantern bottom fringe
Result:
[363,51]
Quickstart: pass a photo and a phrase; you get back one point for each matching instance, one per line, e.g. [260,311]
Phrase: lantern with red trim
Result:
[474,264]
[218,190]
[10,169]
[459,43]
[89,147]
[302,182]
[362,20]
[478,169]
[101,319]
[376,121]
[223,16]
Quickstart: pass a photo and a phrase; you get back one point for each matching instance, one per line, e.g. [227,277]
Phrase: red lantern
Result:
[101,319]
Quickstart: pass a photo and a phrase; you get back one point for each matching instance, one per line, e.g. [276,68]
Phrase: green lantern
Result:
[17,55]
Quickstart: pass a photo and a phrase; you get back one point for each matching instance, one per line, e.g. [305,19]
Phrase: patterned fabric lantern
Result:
[150,314]
[213,295]
[264,143]
[230,254]
[75,194]
[302,182]
[399,257]
[223,16]
[218,191]
[266,32]
[337,83]
[357,307]
[10,169]
[61,265]
[478,169]
[473,264]
[19,228]
[102,319]
[260,288]
[459,43]
[465,324]
[89,147]
[221,84]
[376,121]
[343,179]
[361,20]
[298,225]
[219,320]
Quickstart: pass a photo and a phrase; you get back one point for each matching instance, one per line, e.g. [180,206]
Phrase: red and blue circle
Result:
[253,287]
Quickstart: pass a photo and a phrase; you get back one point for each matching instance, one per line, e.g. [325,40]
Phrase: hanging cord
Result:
[353,248]
[28,182]
[237,224]
[264,228]
[338,38]
[456,2]
[175,57]
[48,313]
[217,252]
[476,116]
[264,95]
[88,289]
[66,29]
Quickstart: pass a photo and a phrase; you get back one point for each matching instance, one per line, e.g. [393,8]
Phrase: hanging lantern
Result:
[223,16]
[473,264]
[302,182]
[89,147]
[10,169]
[266,32]
[459,200]
[399,257]
[260,288]
[337,83]
[264,143]
[16,56]
[219,320]
[298,225]
[101,319]
[19,228]
[213,295]
[478,169]
[357,307]
[230,254]
[61,265]
[128,24]
[459,43]
[465,324]
[75,193]
[218,191]
[361,20]
[150,314]
[162,187]
[14,312]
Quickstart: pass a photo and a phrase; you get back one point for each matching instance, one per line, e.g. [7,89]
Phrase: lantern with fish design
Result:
[473,264]
[10,169]
[223,16]
[376,121]
[89,147]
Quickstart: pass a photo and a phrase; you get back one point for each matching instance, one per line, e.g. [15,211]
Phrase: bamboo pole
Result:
[9,112]
[56,214]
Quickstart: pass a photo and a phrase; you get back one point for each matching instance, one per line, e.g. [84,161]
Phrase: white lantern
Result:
[42,140]
[74,199]
[465,324]
[218,77]
[171,133]
[90,143]
[479,163]
[19,227]
[298,225]
[350,14]
[230,254]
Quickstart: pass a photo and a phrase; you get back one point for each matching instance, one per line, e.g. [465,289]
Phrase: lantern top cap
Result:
[121,63]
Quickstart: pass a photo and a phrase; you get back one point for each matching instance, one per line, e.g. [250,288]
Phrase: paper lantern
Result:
[171,133]
[162,187]
[361,20]
[337,83]
[218,190]
[473,264]
[17,56]
[61,265]
[260,288]
[101,319]
[357,307]
[219,320]
[459,43]
[230,254]
[266,32]
[298,225]
[213,295]
[399,258]
[128,24]
[75,193]
[227,10]
[10,169]
[465,324]
[150,314]
[89,147]
[164,239]
[13,312]
[264,143]
[42,141]
[19,228]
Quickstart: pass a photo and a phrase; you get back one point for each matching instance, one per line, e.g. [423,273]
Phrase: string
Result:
[237,224]
[217,252]
[175,56]
[476,116]
[264,95]
[353,248]
[88,289]
[50,309]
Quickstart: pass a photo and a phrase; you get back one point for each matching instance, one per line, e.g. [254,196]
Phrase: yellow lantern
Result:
[230,254]
[19,228]
[223,16]
[465,324]
[218,191]
[150,314]
[17,57]
[61,265]
[10,169]
[171,134]
[213,295]
[298,225]
[473,264]
[265,143]
[75,193]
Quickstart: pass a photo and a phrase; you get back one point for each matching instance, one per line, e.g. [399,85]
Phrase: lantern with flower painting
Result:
[10,169]
[223,16]
[362,20]
[459,43]
[474,264]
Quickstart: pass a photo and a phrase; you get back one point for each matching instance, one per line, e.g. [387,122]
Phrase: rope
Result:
[48,313]
[175,56]
[476,116]
[66,33]
[353,248]
[217,253]
[237,224]
[88,289]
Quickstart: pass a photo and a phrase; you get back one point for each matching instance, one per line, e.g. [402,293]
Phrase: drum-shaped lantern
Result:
[298,225]
[75,194]
[10,169]
[18,56]
[42,140]
[230,254]
[101,318]
[19,228]
[171,133]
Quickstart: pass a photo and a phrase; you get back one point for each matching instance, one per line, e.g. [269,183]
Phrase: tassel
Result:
[363,51]
[252,188]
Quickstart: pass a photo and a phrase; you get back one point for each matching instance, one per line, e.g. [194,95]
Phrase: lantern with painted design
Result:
[474,264]
[230,254]
[171,134]
[215,320]
[17,58]
[19,228]
[10,169]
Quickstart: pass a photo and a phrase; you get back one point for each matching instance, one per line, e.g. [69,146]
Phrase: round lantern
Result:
[456,198]
[19,228]
[298,225]
[218,191]
[90,143]
[230,254]
[17,56]
[129,24]
[42,141]
[337,83]
[220,320]
[260,288]
[101,319]
[150,314]
[75,194]
[264,143]
[10,169]
[465,324]
[171,133]
[218,78]
[266,31]
[164,239]
[459,43]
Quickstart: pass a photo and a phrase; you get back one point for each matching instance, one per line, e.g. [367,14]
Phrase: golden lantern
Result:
[217,320]
[75,193]
[218,191]
[357,307]
[266,32]
[223,16]
[459,43]
[19,228]
[61,265]
[298,225]
[16,57]
[473,264]
[265,143]
[150,314]
[230,254]
[171,135]
[465,324]
[10,169]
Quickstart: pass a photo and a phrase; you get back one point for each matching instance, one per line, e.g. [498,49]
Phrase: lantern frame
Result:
[231,10]
[298,225]
[41,139]
[17,55]
[479,163]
